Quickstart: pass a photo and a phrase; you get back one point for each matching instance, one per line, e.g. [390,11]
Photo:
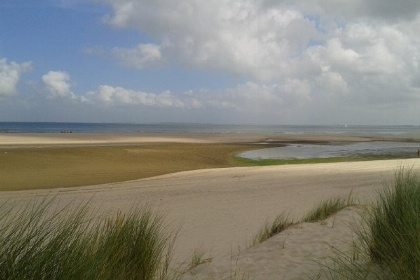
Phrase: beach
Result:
[219,210]
[51,160]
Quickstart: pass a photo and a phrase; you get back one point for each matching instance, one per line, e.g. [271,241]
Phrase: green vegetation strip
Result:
[268,162]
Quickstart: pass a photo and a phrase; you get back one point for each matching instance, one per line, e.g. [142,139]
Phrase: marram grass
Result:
[393,235]
[321,212]
[388,246]
[327,208]
[38,242]
[279,224]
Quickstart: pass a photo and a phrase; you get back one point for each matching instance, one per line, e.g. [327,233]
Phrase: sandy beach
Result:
[51,160]
[45,139]
[219,210]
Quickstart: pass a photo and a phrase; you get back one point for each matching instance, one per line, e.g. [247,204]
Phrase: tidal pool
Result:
[306,151]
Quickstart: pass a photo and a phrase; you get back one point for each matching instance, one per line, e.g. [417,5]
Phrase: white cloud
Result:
[143,56]
[340,46]
[232,36]
[241,98]
[387,10]
[58,84]
[118,96]
[10,74]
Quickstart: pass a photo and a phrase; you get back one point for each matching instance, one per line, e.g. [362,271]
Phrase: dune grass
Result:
[198,258]
[279,224]
[389,238]
[40,242]
[327,208]
[393,235]
[321,212]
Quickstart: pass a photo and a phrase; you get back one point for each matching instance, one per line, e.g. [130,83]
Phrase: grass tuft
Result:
[393,236]
[39,242]
[197,259]
[389,238]
[280,223]
[327,208]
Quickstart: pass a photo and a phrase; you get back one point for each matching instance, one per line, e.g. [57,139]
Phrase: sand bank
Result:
[36,139]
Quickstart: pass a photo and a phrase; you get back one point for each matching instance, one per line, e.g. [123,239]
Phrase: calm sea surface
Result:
[34,127]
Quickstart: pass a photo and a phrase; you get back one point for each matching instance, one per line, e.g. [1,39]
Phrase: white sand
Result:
[220,210]
[31,139]
[299,252]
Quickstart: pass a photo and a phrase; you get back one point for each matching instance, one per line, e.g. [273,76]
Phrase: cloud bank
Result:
[309,61]
[359,53]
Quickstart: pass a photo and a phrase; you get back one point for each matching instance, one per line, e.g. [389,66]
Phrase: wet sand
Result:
[37,161]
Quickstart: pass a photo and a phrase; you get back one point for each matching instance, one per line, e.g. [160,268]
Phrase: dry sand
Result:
[36,139]
[220,210]
[26,139]
[302,251]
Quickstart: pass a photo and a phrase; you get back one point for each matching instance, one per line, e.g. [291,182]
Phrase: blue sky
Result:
[58,37]
[224,61]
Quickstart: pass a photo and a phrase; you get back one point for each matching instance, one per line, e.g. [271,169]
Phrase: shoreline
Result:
[47,161]
[78,139]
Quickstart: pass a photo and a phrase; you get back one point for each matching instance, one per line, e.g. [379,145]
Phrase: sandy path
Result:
[221,209]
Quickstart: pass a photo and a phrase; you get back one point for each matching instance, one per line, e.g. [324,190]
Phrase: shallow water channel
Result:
[306,151]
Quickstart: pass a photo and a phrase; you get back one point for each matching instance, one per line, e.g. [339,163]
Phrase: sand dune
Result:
[296,253]
[220,210]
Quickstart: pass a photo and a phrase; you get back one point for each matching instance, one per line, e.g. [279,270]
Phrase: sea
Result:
[351,130]
[402,149]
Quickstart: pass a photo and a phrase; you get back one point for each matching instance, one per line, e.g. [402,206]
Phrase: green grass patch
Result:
[40,242]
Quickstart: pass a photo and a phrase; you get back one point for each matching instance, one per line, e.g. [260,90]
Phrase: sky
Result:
[307,62]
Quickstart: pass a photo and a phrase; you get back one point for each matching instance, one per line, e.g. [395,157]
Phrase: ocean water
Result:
[402,149]
[52,127]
